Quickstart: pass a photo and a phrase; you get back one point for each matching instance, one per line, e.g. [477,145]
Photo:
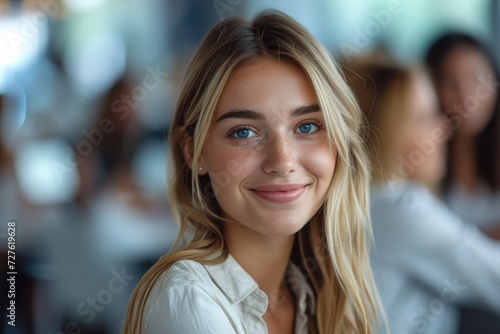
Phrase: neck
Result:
[463,163]
[264,258]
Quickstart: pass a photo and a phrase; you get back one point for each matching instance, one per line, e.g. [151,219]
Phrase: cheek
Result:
[320,161]
[447,97]
[486,106]
[229,165]
[478,116]
[407,140]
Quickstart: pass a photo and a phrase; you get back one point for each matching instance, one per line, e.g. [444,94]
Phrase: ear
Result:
[186,144]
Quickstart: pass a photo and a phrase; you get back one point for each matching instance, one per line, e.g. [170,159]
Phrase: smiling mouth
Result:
[283,193]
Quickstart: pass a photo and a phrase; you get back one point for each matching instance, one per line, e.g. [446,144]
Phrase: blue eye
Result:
[308,128]
[243,133]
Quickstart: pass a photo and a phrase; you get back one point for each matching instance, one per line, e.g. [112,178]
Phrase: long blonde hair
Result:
[332,249]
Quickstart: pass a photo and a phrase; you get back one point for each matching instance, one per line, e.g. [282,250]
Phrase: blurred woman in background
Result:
[466,79]
[271,175]
[427,263]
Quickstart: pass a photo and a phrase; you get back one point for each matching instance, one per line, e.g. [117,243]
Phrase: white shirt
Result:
[212,299]
[427,262]
[481,207]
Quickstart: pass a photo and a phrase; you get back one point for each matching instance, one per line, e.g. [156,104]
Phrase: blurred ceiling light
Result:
[45,177]
[150,166]
[83,5]
[22,39]
[96,63]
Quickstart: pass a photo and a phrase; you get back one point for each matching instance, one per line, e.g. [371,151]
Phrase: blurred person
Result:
[61,255]
[466,78]
[120,203]
[116,130]
[427,262]
[105,230]
[132,226]
[271,177]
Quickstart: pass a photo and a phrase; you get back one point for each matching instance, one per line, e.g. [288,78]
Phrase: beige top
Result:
[195,298]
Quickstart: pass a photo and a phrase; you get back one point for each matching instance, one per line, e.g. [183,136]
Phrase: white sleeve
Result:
[186,309]
[439,251]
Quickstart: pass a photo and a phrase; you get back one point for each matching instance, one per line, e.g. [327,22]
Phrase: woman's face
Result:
[467,81]
[423,134]
[267,151]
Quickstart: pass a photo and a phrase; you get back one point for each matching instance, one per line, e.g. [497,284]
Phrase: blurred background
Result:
[87,90]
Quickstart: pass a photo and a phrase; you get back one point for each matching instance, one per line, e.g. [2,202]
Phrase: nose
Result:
[280,156]
[464,89]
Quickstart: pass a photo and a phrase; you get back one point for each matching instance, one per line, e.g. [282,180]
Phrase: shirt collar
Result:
[237,284]
[232,279]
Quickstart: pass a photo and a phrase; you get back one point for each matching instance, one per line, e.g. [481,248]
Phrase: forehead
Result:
[266,85]
[465,57]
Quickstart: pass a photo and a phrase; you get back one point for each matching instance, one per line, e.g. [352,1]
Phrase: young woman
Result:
[427,263]
[466,78]
[271,178]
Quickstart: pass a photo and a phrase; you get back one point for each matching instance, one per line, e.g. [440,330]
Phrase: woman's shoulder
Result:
[401,195]
[184,299]
[181,274]
[408,207]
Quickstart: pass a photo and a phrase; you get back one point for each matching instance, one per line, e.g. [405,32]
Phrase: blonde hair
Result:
[332,249]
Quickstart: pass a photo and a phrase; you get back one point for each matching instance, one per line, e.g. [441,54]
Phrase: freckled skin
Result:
[279,150]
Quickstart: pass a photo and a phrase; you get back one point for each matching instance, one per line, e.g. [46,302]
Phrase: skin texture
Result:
[418,132]
[276,154]
[278,148]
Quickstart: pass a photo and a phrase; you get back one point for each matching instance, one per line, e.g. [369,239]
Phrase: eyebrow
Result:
[255,115]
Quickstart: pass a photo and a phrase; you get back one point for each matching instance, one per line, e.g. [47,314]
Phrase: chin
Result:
[280,232]
[279,227]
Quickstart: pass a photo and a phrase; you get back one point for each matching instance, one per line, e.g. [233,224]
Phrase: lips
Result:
[280,193]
